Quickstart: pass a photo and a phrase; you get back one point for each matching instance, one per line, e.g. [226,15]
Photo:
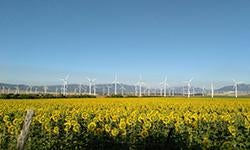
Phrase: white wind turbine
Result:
[56,90]
[45,88]
[30,87]
[91,82]
[203,91]
[122,89]
[65,84]
[149,91]
[140,83]
[80,89]
[189,86]
[236,83]
[136,90]
[193,91]
[183,91]
[212,90]
[108,90]
[173,92]
[115,82]
[164,84]
[17,90]
[94,89]
[103,91]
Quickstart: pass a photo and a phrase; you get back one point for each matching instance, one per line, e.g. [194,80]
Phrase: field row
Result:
[176,123]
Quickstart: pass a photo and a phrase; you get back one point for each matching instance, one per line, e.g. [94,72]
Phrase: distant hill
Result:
[100,88]
[129,89]
[241,88]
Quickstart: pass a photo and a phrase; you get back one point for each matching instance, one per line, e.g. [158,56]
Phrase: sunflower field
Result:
[128,123]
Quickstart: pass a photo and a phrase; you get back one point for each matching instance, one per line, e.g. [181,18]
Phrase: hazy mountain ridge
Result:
[103,88]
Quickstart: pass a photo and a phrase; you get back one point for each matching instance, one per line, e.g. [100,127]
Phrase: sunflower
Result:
[92,126]
[122,125]
[114,132]
[147,125]
[107,128]
[144,133]
[56,130]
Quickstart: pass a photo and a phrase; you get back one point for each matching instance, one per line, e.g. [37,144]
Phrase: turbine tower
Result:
[189,86]
[103,91]
[140,83]
[80,89]
[203,91]
[173,92]
[115,82]
[136,89]
[212,90]
[17,90]
[236,83]
[164,83]
[108,90]
[123,88]
[45,88]
[91,81]
[65,83]
[30,87]
[94,89]
[149,91]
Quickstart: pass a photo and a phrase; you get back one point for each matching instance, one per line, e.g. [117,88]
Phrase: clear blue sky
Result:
[43,40]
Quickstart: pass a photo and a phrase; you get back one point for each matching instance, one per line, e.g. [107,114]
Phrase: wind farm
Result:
[124,75]
[91,88]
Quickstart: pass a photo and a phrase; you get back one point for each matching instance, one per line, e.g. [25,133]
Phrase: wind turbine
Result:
[212,90]
[140,83]
[27,90]
[136,92]
[103,91]
[45,88]
[30,87]
[17,90]
[189,86]
[91,81]
[164,83]
[94,89]
[183,91]
[123,88]
[115,82]
[80,89]
[236,83]
[65,83]
[203,91]
[161,91]
[108,90]
[149,91]
[56,90]
[173,92]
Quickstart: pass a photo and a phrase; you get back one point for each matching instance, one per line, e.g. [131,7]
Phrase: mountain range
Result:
[104,88]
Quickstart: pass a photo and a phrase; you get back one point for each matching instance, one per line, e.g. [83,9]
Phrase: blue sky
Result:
[43,40]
